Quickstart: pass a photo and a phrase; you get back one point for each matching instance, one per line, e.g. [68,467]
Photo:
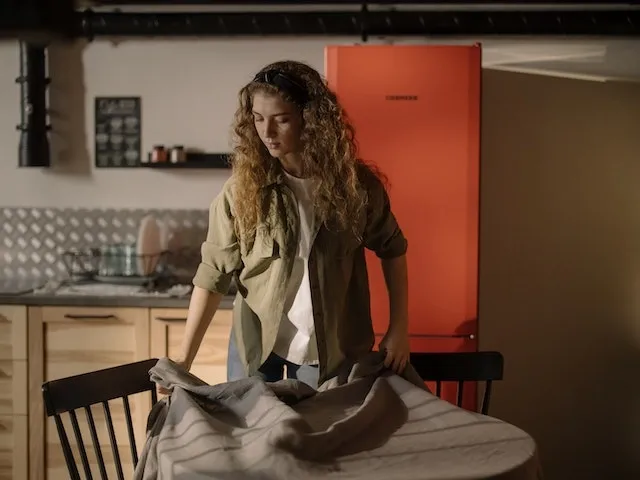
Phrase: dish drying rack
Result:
[115,264]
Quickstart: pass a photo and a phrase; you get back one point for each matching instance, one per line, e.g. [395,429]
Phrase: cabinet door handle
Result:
[171,319]
[72,316]
[469,336]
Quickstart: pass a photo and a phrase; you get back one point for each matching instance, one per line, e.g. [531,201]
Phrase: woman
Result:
[290,226]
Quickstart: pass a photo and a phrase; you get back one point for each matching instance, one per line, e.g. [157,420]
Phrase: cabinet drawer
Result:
[80,339]
[93,315]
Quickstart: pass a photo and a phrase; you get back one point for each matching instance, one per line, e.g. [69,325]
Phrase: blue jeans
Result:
[272,369]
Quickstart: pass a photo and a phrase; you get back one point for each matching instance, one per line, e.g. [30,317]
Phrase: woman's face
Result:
[278,123]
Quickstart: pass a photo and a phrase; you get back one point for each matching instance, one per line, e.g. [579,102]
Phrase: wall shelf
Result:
[194,160]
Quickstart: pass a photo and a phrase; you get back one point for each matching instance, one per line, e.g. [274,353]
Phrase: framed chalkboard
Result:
[118,123]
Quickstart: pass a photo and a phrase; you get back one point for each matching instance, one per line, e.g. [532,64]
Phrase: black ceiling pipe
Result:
[365,23]
[36,20]
[351,2]
[33,149]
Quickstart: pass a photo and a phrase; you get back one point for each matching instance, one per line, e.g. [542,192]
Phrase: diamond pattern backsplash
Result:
[32,240]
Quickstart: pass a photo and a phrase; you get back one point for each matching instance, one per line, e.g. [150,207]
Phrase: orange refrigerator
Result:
[416,112]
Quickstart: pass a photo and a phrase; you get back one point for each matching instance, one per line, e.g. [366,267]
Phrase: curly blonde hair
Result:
[329,153]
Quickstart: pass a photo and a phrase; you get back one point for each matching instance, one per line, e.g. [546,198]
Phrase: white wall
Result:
[188,91]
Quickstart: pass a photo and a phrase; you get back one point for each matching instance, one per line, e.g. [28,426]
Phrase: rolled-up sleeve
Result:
[220,251]
[382,233]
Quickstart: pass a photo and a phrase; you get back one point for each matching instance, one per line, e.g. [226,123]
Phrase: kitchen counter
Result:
[150,301]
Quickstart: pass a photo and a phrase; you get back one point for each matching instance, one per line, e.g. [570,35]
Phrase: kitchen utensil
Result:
[149,245]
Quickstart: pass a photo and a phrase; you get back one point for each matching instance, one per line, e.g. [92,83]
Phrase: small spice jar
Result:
[158,154]
[178,155]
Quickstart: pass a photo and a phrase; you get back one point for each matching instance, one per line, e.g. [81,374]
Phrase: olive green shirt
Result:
[337,272]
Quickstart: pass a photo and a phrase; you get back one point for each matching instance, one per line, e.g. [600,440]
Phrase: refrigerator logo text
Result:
[402,97]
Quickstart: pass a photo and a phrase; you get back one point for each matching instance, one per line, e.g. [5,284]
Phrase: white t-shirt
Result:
[296,341]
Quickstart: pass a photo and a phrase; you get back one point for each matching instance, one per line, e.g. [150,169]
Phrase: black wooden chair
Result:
[69,394]
[460,367]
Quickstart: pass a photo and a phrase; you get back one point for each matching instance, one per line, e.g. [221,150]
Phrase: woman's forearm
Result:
[202,307]
[396,279]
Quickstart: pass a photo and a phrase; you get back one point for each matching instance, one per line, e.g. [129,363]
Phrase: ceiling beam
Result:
[352,2]
[620,23]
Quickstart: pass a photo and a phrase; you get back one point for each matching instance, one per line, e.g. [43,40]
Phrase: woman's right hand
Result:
[161,391]
[202,307]
[164,391]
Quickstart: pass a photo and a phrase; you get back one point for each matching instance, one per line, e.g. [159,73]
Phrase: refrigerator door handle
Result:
[467,336]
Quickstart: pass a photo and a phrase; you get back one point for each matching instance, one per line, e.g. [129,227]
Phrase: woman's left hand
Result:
[395,345]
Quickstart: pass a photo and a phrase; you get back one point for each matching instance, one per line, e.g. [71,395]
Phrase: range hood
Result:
[36,20]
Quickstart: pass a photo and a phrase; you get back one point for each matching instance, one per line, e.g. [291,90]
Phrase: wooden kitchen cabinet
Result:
[13,393]
[210,364]
[65,341]
[43,343]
